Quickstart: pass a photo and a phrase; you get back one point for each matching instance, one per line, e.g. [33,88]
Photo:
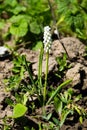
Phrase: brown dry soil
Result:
[78,72]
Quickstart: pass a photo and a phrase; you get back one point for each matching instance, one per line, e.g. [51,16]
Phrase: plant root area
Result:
[78,72]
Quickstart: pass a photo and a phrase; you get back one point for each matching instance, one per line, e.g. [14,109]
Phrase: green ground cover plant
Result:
[72,15]
[23,21]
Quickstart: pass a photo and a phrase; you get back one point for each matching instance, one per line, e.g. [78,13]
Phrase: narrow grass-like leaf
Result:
[29,72]
[58,105]
[81,119]
[64,116]
[46,76]
[40,68]
[58,90]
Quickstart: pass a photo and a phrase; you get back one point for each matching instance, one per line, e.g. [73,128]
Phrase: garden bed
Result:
[77,72]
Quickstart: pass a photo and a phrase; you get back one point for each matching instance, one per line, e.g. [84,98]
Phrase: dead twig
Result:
[55,27]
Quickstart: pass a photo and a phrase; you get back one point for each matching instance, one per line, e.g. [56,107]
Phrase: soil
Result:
[78,72]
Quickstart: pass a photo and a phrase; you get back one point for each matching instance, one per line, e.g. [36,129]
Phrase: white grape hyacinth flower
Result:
[47,39]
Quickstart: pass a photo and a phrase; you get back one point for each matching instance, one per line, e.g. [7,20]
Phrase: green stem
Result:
[40,68]
[29,72]
[46,74]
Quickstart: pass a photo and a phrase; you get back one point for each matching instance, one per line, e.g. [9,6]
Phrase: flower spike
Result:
[47,38]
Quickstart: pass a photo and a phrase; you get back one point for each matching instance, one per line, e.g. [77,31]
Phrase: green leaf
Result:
[19,110]
[79,21]
[19,29]
[58,90]
[64,116]
[77,98]
[22,72]
[13,82]
[81,119]
[77,109]
[56,121]
[25,98]
[18,9]
[58,105]
[12,3]
[2,24]
[35,28]
[19,26]
[9,101]
[26,128]
[40,67]
[84,4]
[47,118]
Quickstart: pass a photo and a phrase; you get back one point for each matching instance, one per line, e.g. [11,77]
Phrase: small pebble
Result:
[3,50]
